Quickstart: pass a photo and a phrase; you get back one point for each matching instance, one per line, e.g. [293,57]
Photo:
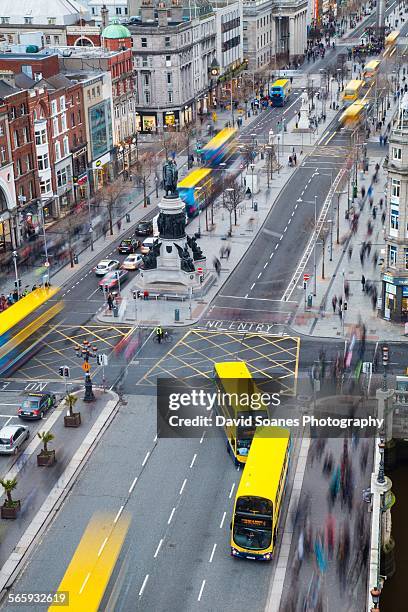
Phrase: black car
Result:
[129,245]
[144,228]
[35,405]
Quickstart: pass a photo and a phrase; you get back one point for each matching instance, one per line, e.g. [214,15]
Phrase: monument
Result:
[175,264]
[303,123]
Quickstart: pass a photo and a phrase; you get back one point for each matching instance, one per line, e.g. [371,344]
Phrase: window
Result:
[55,126]
[2,154]
[52,20]
[1,129]
[147,97]
[144,43]
[168,61]
[63,123]
[395,188]
[28,20]
[47,40]
[169,96]
[56,40]
[26,134]
[29,163]
[396,153]
[169,81]
[62,103]
[394,218]
[144,62]
[392,256]
[43,162]
[167,41]
[41,137]
[22,109]
[5,20]
[19,167]
[16,140]
[126,11]
[66,145]
[146,80]
[54,109]
[98,90]
[31,190]
[72,119]
[57,150]
[94,11]
[12,112]
[45,186]
[62,177]
[118,10]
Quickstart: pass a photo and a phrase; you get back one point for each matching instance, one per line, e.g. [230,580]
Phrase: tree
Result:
[9,486]
[144,168]
[46,437]
[109,197]
[234,195]
[70,400]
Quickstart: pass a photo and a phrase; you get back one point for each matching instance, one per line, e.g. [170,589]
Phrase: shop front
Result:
[146,122]
[100,169]
[395,299]
[171,120]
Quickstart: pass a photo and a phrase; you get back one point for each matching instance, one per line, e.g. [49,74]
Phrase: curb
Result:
[14,564]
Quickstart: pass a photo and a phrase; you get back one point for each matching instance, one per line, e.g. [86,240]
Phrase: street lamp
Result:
[85,352]
[339,193]
[47,263]
[252,166]
[199,211]
[17,281]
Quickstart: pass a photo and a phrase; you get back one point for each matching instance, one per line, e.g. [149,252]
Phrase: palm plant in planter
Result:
[72,419]
[11,506]
[46,457]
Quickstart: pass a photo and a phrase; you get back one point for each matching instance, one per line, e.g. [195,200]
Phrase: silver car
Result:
[105,266]
[12,437]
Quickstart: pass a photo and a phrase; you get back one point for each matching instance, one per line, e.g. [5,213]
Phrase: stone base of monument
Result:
[175,284]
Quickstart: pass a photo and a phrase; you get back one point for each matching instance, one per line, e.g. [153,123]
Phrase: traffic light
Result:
[385,355]
[75,180]
[99,359]
[64,371]
[61,371]
[17,283]
[345,306]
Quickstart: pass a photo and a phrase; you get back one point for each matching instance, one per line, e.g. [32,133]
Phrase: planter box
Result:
[74,420]
[46,459]
[10,512]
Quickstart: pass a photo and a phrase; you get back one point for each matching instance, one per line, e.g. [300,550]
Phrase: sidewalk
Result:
[42,489]
[151,312]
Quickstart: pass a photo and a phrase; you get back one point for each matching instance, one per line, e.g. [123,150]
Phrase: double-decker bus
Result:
[355,114]
[234,379]
[260,495]
[195,190]
[280,91]
[352,91]
[371,70]
[391,39]
[21,324]
[220,148]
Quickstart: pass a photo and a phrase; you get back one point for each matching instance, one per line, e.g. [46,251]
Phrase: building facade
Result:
[394,303]
[116,9]
[172,58]
[8,203]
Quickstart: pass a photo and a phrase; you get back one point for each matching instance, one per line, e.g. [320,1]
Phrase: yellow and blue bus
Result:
[21,325]
[220,148]
[280,91]
[352,91]
[195,190]
[260,495]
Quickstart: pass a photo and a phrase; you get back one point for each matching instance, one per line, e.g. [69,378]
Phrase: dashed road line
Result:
[158,548]
[143,585]
[146,458]
[115,520]
[182,486]
[222,520]
[171,516]
[193,460]
[232,490]
[212,553]
[132,486]
[201,591]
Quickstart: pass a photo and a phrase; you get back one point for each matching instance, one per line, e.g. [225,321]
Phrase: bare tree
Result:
[109,197]
[234,195]
[144,168]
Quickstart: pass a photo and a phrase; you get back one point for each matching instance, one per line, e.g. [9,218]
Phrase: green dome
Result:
[116,30]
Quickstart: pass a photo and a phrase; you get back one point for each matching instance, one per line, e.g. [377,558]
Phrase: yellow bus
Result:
[220,147]
[355,114]
[234,378]
[371,70]
[352,91]
[391,39]
[260,495]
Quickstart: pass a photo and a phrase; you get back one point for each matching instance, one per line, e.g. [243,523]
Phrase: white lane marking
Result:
[293,212]
[115,520]
[171,516]
[281,236]
[182,486]
[201,591]
[223,519]
[194,458]
[146,458]
[265,265]
[155,438]
[82,278]
[3,404]
[252,286]
[84,582]
[143,585]
[102,546]
[93,293]
[285,229]
[276,246]
[68,290]
[158,548]
[232,490]
[246,296]
[212,553]
[270,256]
[290,220]
[132,486]
[202,437]
[259,275]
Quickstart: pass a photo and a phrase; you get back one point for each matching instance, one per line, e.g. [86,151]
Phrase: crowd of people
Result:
[14,296]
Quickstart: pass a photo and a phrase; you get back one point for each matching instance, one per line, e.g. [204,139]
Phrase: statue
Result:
[150,260]
[305,99]
[187,264]
[171,226]
[170,177]
[197,252]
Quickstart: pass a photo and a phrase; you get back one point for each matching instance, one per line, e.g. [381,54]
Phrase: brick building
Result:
[7,190]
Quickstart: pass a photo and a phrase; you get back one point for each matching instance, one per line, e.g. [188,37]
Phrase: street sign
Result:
[306,277]
[86,366]
[102,359]
[367,367]
[200,271]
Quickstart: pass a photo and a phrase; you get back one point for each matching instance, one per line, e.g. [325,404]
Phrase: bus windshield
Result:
[252,533]
[254,505]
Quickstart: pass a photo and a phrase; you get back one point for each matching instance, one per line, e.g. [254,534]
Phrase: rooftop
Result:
[115,30]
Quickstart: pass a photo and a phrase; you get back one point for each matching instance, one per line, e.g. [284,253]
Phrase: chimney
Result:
[104,17]
[176,11]
[147,11]
[162,14]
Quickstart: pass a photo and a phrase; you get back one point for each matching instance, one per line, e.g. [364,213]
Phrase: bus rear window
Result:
[256,505]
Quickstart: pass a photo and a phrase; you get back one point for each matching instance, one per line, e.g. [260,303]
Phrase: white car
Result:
[147,245]
[12,437]
[132,262]
[105,266]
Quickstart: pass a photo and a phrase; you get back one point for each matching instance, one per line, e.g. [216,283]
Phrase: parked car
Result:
[113,279]
[132,262]
[144,228]
[106,265]
[129,245]
[12,437]
[147,245]
[35,405]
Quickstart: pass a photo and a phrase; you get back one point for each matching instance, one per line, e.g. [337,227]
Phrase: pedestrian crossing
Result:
[330,151]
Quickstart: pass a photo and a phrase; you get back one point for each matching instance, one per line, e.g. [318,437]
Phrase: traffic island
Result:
[71,419]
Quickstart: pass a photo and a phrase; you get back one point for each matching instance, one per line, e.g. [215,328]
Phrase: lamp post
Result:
[252,166]
[17,281]
[199,210]
[88,197]
[47,263]
[339,193]
[85,352]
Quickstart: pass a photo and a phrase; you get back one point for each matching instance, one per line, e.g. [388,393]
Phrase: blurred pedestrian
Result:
[330,534]
[346,289]
[350,252]
[334,303]
[119,224]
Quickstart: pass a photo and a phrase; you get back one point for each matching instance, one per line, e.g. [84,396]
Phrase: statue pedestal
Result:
[303,124]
